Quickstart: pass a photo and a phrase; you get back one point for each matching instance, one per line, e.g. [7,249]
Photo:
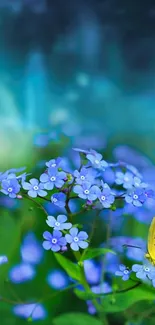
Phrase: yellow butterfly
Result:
[150,255]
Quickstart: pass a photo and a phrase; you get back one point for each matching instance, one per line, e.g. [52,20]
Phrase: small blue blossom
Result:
[31,249]
[57,279]
[92,271]
[35,311]
[84,175]
[96,160]
[53,241]
[22,273]
[59,223]
[54,163]
[86,191]
[133,169]
[137,197]
[144,272]
[137,182]
[149,193]
[10,187]
[104,287]
[59,199]
[53,178]
[81,150]
[77,240]
[3,259]
[91,307]
[123,272]
[106,197]
[34,188]
[111,263]
[126,180]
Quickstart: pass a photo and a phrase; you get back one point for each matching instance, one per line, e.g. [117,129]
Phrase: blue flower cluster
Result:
[56,241]
[144,272]
[60,184]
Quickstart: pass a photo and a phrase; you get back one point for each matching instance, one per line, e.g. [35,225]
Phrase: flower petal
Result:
[32,193]
[73,231]
[57,234]
[42,193]
[69,238]
[44,178]
[61,218]
[47,245]
[83,244]
[47,235]
[74,246]
[34,181]
[27,186]
[66,225]
[82,235]
[51,221]
[55,248]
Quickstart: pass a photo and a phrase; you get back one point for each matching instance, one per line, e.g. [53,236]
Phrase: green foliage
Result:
[76,319]
[72,269]
[117,302]
[9,241]
[121,301]
[95,252]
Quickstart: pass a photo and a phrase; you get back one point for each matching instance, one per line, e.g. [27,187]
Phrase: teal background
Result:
[83,74]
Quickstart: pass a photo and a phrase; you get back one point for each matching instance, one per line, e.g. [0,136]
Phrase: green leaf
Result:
[94,252]
[85,295]
[9,241]
[121,301]
[76,319]
[72,269]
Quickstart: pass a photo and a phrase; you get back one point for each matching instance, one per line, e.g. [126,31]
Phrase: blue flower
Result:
[53,241]
[3,259]
[92,271]
[144,272]
[81,150]
[126,180]
[133,169]
[123,272]
[31,249]
[149,193]
[104,287]
[54,163]
[10,187]
[59,199]
[91,307]
[84,175]
[76,239]
[137,197]
[34,188]
[96,160]
[57,279]
[59,223]
[106,197]
[111,263]
[137,182]
[86,191]
[34,311]
[21,273]
[53,178]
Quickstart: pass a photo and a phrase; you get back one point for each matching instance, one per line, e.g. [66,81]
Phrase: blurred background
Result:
[78,68]
[77,73]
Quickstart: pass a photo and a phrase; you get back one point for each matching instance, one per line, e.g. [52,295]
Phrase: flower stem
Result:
[88,289]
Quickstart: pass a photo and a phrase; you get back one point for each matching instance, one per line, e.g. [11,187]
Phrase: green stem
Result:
[88,290]
[37,203]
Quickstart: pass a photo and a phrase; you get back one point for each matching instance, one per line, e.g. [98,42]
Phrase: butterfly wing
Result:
[151,240]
